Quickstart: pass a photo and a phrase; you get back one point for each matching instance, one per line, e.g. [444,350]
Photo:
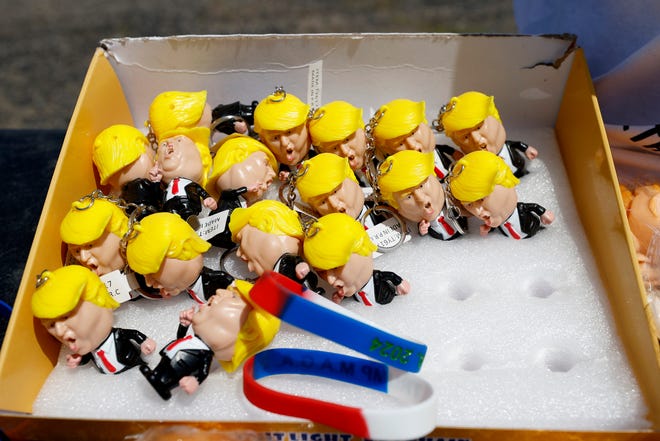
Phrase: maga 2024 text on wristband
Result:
[312,312]
[416,417]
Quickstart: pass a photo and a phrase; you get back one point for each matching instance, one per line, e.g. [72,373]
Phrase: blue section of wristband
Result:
[358,371]
[378,344]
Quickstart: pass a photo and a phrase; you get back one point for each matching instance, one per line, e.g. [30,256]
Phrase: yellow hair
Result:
[116,147]
[466,111]
[234,150]
[63,288]
[275,113]
[626,195]
[201,137]
[403,170]
[256,333]
[476,174]
[322,174]
[174,109]
[333,238]
[84,225]
[335,121]
[162,235]
[269,216]
[399,117]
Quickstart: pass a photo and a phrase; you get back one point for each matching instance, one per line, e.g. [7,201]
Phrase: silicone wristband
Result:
[310,311]
[415,419]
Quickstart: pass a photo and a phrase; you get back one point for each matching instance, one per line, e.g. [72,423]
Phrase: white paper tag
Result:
[315,84]
[213,225]
[118,286]
[386,235]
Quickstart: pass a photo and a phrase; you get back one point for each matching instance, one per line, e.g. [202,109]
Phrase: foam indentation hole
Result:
[541,288]
[469,361]
[556,360]
[461,291]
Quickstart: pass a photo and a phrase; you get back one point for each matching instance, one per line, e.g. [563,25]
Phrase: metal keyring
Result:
[96,194]
[223,119]
[279,90]
[119,202]
[437,123]
[316,115]
[41,278]
[393,213]
[223,258]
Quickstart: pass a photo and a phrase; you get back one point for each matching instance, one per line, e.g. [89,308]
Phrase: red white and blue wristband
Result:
[416,418]
[307,310]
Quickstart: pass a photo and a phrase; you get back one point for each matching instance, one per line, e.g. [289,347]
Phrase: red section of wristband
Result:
[264,291]
[344,418]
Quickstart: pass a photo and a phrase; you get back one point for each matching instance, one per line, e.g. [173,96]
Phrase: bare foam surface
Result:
[519,333]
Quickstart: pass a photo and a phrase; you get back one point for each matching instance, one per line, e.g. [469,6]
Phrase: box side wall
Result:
[590,169]
[27,344]
[366,70]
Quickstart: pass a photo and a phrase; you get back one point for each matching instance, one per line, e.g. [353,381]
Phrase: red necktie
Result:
[176,342]
[438,172]
[512,232]
[194,296]
[175,186]
[105,361]
[446,226]
[365,299]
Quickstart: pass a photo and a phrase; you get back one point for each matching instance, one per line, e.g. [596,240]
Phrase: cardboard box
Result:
[521,71]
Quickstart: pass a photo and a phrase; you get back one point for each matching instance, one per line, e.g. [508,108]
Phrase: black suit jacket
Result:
[517,151]
[188,205]
[530,218]
[127,348]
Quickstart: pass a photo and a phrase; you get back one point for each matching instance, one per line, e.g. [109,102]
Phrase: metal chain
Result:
[151,137]
[288,196]
[132,210]
[453,205]
[131,233]
[288,189]
[119,202]
[371,161]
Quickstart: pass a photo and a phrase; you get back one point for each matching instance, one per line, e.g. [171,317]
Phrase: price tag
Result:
[211,226]
[118,286]
[314,84]
[387,235]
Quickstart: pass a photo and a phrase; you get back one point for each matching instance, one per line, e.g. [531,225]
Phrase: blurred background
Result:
[47,46]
